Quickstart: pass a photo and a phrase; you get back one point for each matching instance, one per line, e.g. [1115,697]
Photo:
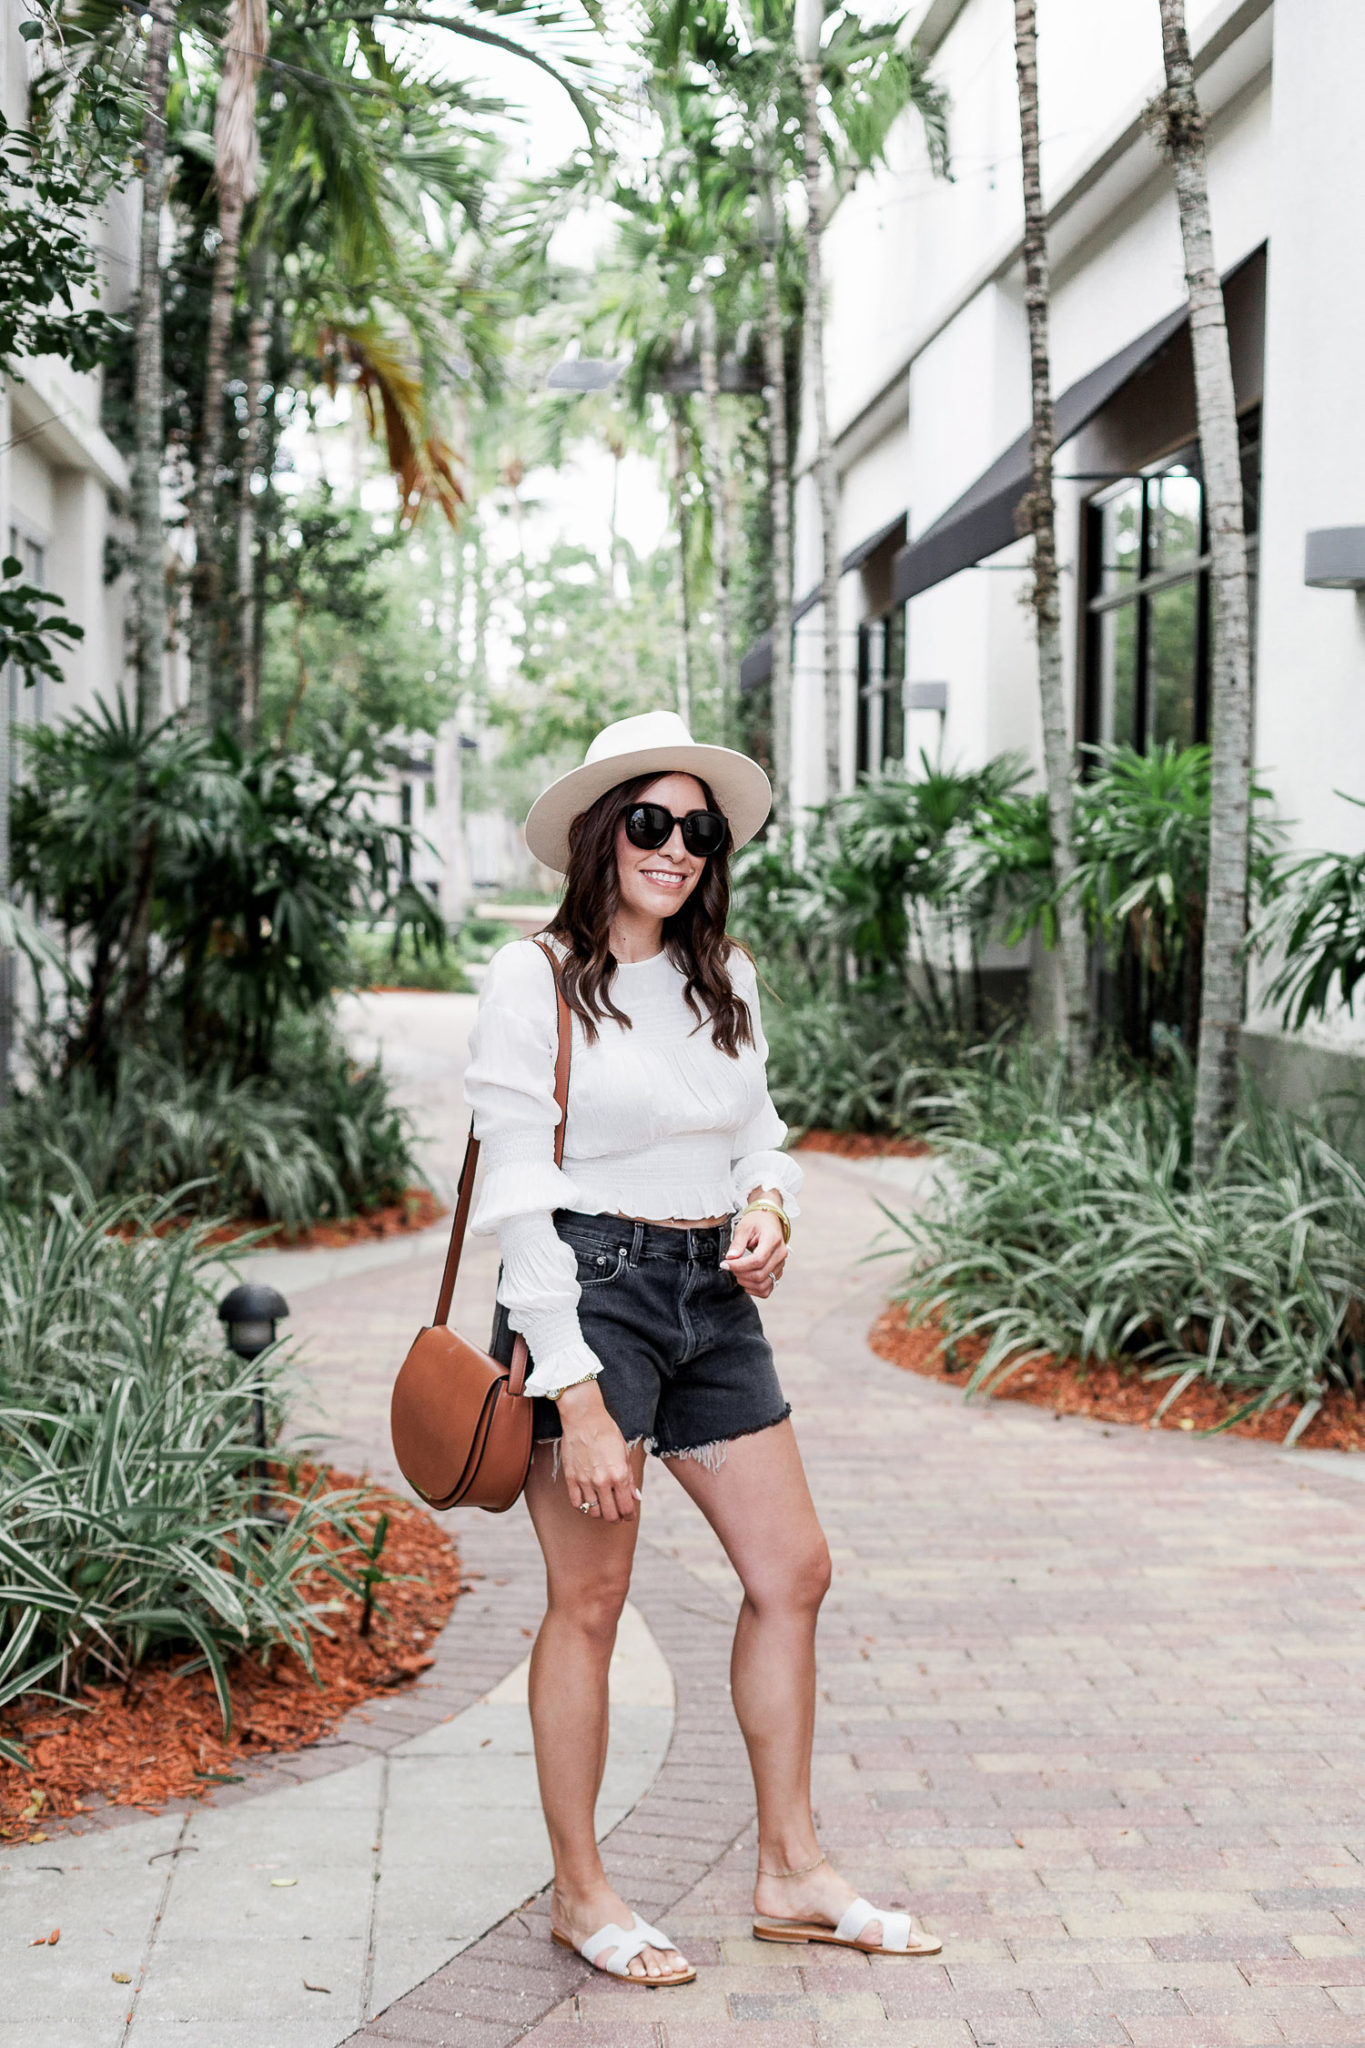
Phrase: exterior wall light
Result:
[1334,558]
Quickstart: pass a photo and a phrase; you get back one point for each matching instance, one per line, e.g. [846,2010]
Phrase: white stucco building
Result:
[929,404]
[62,481]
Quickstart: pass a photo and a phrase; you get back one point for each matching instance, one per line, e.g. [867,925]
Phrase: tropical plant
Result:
[317,1136]
[54,175]
[1040,519]
[353,659]
[1071,1222]
[1177,121]
[885,886]
[30,624]
[862,1060]
[379,960]
[1314,924]
[256,865]
[134,1517]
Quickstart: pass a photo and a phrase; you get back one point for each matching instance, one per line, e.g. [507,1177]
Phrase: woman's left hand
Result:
[757,1253]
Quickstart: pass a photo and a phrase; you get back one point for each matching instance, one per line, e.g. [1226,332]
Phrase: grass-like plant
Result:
[132,1515]
[317,1136]
[381,961]
[1073,1226]
[862,1060]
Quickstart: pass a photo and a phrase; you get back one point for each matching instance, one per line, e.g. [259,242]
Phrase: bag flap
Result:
[439,1399]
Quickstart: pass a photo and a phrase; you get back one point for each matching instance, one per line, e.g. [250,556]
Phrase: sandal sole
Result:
[801,1930]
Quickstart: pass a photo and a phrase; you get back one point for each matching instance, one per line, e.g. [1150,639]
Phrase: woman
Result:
[635,1293]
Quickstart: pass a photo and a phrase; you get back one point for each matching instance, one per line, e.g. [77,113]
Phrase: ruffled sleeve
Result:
[757,1158]
[509,1085]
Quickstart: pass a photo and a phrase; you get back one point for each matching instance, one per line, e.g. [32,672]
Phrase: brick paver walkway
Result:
[1090,1704]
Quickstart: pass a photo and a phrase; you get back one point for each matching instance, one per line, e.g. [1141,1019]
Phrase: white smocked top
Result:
[661,1124]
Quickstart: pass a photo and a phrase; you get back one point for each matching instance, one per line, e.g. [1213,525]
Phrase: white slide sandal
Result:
[627,1946]
[900,1935]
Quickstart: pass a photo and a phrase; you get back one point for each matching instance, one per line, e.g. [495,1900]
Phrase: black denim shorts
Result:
[685,1363]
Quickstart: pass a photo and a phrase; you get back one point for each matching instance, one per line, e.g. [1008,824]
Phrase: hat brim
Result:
[739,785]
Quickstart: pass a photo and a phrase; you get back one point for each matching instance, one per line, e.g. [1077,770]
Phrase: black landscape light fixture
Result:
[249,1313]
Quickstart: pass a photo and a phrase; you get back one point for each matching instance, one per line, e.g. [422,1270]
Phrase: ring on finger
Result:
[585,1507]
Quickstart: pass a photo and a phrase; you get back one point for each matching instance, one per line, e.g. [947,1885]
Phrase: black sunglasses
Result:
[651,826]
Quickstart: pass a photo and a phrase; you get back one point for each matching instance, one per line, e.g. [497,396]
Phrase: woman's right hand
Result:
[594,1455]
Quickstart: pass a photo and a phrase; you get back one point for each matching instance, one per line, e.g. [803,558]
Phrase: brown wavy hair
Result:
[694,939]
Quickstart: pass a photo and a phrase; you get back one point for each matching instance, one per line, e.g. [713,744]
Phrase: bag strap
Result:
[464,1195]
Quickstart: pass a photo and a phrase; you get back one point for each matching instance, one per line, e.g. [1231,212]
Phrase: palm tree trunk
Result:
[1058,755]
[235,151]
[826,483]
[149,436]
[779,485]
[1179,123]
[248,677]
[149,403]
[716,493]
[684,597]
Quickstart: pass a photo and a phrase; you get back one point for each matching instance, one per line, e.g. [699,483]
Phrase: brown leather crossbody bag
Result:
[460,1422]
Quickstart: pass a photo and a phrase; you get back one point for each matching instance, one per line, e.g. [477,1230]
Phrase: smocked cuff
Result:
[521,1188]
[562,1366]
[777,1173]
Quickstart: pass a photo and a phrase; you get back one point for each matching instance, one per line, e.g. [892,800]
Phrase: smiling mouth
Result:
[664,878]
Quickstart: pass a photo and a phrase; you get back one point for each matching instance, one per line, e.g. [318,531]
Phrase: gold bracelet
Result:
[581,1381]
[774,1209]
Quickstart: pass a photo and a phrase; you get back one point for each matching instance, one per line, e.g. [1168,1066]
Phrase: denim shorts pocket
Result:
[600,1268]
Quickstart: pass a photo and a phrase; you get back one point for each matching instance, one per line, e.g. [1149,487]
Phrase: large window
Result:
[1148,621]
[881,691]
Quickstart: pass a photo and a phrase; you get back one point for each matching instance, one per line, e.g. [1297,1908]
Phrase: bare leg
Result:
[760,1507]
[587,1571]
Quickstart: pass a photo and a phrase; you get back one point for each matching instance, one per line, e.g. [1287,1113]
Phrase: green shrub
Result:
[131,1516]
[1073,1226]
[377,963]
[479,938]
[860,1061]
[316,1136]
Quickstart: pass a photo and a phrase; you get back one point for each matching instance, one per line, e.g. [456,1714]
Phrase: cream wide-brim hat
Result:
[656,742]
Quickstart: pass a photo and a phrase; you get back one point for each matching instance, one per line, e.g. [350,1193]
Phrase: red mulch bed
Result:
[1110,1392]
[164,1739]
[862,1145]
[417,1209]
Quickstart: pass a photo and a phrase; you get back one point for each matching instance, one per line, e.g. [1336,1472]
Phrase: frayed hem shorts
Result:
[685,1364]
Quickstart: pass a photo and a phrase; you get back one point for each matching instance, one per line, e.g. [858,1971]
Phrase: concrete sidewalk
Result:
[287,1920]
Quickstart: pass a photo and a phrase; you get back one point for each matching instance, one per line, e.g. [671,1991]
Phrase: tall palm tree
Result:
[809,26]
[717,491]
[1041,516]
[814,97]
[368,179]
[149,429]
[854,85]
[236,148]
[1178,122]
[779,485]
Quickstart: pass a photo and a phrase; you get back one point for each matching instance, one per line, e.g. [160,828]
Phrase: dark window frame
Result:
[881,692]
[1149,583]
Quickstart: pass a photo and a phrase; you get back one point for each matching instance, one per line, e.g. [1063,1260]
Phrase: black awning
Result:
[757,665]
[982,520]
[894,529]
